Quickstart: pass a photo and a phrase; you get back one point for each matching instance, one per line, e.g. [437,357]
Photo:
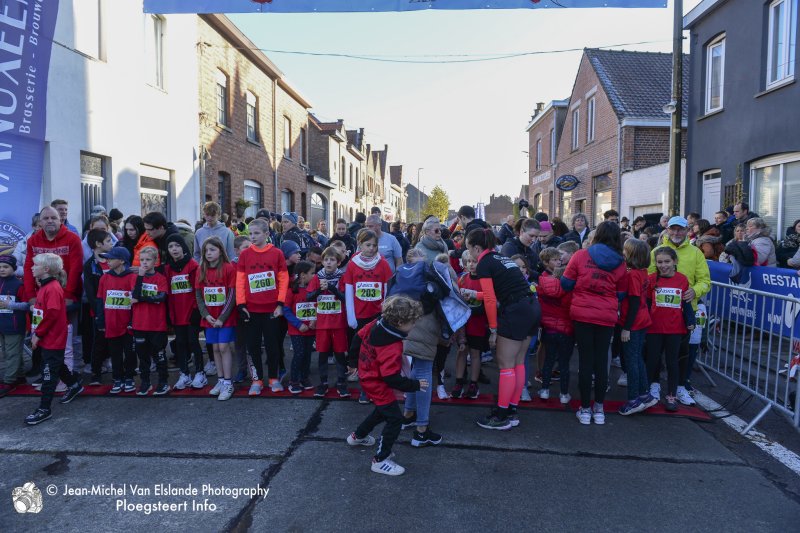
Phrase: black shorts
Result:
[519,320]
[478,342]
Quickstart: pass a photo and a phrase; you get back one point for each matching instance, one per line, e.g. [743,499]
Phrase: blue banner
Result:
[746,308]
[350,6]
[26,39]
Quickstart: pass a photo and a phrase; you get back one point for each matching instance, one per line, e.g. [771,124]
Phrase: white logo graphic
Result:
[27,498]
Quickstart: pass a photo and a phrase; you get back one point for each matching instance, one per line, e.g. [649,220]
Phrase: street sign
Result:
[567,183]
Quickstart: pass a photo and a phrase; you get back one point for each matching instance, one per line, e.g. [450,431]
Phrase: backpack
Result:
[420,282]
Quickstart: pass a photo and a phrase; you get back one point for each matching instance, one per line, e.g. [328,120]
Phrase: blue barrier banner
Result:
[26,39]
[352,6]
[756,311]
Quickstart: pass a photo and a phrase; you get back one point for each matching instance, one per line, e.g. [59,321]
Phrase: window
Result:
[287,200]
[576,121]
[86,17]
[222,98]
[781,41]
[303,146]
[154,50]
[537,203]
[319,209]
[223,186]
[287,138]
[550,206]
[252,193]
[715,74]
[580,206]
[538,154]
[343,180]
[155,187]
[553,147]
[602,196]
[776,191]
[252,117]
[351,177]
[566,202]
[590,119]
[92,182]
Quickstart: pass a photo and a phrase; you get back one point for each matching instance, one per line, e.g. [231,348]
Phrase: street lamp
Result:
[419,196]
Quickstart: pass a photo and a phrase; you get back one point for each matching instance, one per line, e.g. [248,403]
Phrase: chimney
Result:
[539,109]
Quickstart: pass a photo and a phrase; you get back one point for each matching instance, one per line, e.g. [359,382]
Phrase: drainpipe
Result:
[275,142]
[619,171]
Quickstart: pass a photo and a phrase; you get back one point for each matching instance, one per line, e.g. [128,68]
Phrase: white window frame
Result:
[538,154]
[788,26]
[162,174]
[781,161]
[221,96]
[252,117]
[718,43]
[253,209]
[590,119]
[576,122]
[154,49]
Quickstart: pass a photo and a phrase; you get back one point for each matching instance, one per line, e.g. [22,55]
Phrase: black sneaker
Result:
[95,380]
[37,383]
[342,389]
[306,384]
[295,388]
[429,438]
[495,421]
[161,389]
[671,403]
[409,422]
[116,388]
[458,391]
[144,388]
[513,416]
[473,392]
[362,398]
[38,416]
[71,393]
[321,390]
[129,386]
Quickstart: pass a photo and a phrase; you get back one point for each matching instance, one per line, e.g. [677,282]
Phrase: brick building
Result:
[544,132]
[615,126]
[498,208]
[253,125]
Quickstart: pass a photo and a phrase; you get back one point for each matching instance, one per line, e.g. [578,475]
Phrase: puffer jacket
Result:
[594,275]
[555,304]
[764,250]
[710,243]
[423,338]
[691,263]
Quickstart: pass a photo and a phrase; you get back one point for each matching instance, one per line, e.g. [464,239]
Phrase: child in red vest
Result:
[150,322]
[476,329]
[301,316]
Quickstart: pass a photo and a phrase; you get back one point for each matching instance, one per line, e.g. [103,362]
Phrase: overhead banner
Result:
[26,38]
[353,6]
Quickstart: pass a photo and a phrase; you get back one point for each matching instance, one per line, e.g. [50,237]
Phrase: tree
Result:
[438,204]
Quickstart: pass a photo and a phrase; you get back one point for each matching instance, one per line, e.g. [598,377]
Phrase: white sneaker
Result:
[564,398]
[388,467]
[684,397]
[199,380]
[353,377]
[486,357]
[210,369]
[183,381]
[655,390]
[544,394]
[276,386]
[525,396]
[226,393]
[598,416]
[441,392]
[369,440]
[584,416]
[623,380]
[217,388]
[616,362]
[256,388]
[61,387]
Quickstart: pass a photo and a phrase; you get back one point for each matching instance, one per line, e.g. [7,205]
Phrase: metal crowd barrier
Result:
[751,342]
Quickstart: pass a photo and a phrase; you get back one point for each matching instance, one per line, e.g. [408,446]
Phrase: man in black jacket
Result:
[506,230]
[467,220]
[157,227]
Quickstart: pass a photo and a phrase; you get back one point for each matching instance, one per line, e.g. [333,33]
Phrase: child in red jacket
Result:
[150,322]
[558,331]
[49,332]
[379,348]
[476,330]
[302,317]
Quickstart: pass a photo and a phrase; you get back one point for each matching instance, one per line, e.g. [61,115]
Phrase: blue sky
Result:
[463,123]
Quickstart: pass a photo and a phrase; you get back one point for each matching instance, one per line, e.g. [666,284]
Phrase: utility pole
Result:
[419,196]
[676,109]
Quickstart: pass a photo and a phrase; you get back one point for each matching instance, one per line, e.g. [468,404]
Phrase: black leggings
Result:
[593,341]
[123,358]
[99,351]
[670,346]
[394,421]
[150,347]
[438,363]
[262,328]
[53,369]
[187,343]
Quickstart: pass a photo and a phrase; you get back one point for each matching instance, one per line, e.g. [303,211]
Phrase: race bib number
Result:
[180,284]
[36,318]
[327,304]
[214,296]
[7,298]
[667,297]
[149,290]
[118,300]
[700,319]
[306,311]
[261,281]
[368,291]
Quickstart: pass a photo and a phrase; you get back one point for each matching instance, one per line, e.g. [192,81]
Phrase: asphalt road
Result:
[642,473]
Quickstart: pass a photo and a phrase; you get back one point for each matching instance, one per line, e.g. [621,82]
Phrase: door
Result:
[712,186]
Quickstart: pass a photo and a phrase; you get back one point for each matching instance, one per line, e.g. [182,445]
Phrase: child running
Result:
[301,316]
[379,348]
[672,317]
[150,322]
[215,292]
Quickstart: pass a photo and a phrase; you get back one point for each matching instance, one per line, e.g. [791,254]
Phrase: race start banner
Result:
[354,6]
[26,39]
[744,307]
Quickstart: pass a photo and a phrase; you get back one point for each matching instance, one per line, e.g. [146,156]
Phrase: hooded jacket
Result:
[69,248]
[181,275]
[691,263]
[219,231]
[555,304]
[710,243]
[595,276]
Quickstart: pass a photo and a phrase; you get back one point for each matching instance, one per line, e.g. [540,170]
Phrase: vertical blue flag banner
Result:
[26,39]
[353,6]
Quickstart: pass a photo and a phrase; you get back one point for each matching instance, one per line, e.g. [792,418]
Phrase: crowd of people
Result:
[143,292]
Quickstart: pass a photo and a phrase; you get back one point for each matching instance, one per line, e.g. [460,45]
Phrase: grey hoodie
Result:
[220,231]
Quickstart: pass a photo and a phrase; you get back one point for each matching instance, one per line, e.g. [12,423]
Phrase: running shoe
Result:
[352,440]
[71,393]
[144,388]
[458,391]
[648,401]
[353,377]
[671,403]
[342,389]
[275,386]
[161,389]
[584,415]
[409,422]
[631,407]
[183,381]
[525,396]
[130,386]
[564,398]
[494,421]
[295,388]
[256,388]
[441,392]
[362,398]
[116,388]
[200,379]
[655,391]
[473,392]
[61,387]
[388,467]
[598,415]
[38,416]
[544,394]
[684,397]
[429,438]
[210,369]
[321,390]
[216,389]
[513,416]
[226,392]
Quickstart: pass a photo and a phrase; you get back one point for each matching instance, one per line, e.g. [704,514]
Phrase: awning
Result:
[349,6]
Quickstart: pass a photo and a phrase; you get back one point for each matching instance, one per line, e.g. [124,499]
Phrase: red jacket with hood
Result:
[555,304]
[69,248]
[595,276]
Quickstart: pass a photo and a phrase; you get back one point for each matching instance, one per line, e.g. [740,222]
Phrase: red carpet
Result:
[484,400]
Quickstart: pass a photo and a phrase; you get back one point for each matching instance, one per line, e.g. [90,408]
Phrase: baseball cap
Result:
[678,221]
[118,252]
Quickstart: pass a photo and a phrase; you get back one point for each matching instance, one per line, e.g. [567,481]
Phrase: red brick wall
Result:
[541,130]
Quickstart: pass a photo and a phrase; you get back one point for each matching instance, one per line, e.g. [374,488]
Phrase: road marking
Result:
[786,457]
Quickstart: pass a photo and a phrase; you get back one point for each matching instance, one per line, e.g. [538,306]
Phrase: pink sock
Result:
[505,389]
[519,383]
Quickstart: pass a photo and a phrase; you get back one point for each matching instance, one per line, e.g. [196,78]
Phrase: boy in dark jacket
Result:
[12,322]
[100,242]
[379,348]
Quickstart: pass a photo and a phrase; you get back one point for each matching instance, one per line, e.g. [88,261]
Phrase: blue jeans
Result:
[557,347]
[633,351]
[302,345]
[420,401]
